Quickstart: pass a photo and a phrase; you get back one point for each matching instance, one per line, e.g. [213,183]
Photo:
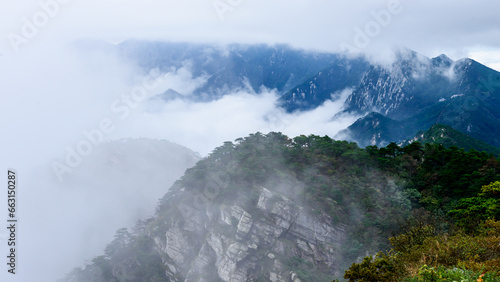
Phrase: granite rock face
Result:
[246,242]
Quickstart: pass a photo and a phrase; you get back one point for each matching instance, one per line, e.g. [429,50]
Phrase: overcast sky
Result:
[457,28]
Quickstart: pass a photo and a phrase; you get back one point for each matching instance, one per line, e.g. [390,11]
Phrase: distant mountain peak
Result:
[442,60]
[443,57]
[448,136]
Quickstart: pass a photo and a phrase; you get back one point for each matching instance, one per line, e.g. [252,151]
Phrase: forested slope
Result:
[270,207]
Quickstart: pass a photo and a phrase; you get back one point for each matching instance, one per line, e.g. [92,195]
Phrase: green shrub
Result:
[380,268]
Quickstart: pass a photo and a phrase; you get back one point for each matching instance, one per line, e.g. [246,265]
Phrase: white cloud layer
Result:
[203,126]
[456,28]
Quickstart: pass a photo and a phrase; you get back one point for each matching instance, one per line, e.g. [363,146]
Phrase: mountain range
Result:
[418,93]
[394,100]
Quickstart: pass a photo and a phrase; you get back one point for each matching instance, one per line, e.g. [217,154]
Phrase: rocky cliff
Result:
[268,208]
[249,241]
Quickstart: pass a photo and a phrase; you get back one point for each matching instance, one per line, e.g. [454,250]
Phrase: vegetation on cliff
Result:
[454,233]
[438,206]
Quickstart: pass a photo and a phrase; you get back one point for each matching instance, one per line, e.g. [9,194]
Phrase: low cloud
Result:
[457,28]
[202,126]
[52,101]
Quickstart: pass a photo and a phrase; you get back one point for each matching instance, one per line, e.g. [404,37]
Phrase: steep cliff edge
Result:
[249,241]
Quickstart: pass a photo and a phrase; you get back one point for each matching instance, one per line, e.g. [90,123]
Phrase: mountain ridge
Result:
[447,136]
[414,90]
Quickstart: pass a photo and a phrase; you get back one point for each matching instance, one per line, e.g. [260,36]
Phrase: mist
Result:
[83,127]
[67,116]
[51,97]
[203,126]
